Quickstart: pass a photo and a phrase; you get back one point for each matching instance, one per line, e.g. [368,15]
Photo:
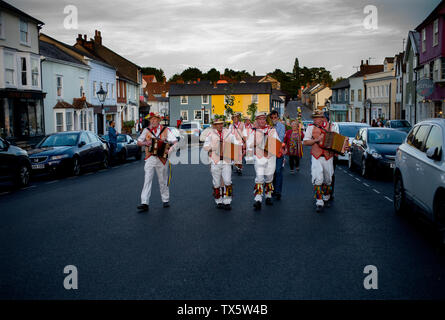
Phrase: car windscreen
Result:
[58,140]
[121,138]
[386,136]
[349,130]
[400,124]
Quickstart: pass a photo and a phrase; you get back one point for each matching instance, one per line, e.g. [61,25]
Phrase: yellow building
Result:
[241,102]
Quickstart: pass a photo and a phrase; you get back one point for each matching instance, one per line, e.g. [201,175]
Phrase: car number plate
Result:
[38,166]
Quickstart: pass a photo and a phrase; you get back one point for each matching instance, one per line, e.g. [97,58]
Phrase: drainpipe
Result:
[389,114]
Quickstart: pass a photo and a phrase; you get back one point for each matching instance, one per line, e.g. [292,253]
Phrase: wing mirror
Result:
[82,143]
[434,153]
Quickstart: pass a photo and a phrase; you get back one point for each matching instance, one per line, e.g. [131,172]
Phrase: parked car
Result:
[402,125]
[126,147]
[68,152]
[375,149]
[15,166]
[419,176]
[350,130]
[190,129]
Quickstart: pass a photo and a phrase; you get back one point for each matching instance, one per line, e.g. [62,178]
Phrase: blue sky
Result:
[259,35]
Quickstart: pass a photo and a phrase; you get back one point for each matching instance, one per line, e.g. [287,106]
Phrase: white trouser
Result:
[264,171]
[222,176]
[151,164]
[322,171]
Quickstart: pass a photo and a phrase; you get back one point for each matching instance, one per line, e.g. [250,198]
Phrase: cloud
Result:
[259,35]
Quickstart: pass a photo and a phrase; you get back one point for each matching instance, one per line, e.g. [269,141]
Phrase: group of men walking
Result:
[259,143]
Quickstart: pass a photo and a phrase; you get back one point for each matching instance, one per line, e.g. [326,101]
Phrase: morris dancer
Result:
[264,162]
[322,167]
[237,130]
[153,162]
[220,168]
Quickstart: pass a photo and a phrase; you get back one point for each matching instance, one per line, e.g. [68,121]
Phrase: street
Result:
[194,251]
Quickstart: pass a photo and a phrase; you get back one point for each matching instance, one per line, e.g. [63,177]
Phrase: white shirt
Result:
[170,136]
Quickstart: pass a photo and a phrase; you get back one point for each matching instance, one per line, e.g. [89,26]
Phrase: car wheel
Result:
[22,179]
[105,162]
[364,168]
[76,166]
[400,206]
[350,162]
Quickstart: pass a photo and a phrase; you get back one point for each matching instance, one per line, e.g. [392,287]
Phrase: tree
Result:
[212,75]
[191,74]
[296,71]
[337,81]
[251,110]
[175,78]
[158,73]
[236,75]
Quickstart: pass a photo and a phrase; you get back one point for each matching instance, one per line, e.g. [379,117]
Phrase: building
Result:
[157,97]
[101,75]
[148,79]
[128,80]
[357,91]
[262,79]
[21,95]
[411,60]
[319,96]
[432,63]
[339,109]
[198,101]
[64,79]
[380,89]
[399,69]
[278,101]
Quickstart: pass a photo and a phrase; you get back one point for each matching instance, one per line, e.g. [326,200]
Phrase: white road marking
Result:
[51,182]
[376,191]
[366,185]
[30,187]
[89,173]
[388,199]
[357,179]
[4,193]
[351,175]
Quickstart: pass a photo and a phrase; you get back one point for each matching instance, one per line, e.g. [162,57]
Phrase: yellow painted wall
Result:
[242,101]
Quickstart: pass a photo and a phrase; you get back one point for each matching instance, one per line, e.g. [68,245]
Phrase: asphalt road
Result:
[194,251]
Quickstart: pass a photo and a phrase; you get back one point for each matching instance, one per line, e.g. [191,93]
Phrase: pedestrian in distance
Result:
[112,138]
[278,175]
[294,146]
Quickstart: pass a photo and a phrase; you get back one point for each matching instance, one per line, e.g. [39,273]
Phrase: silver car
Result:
[350,130]
[419,176]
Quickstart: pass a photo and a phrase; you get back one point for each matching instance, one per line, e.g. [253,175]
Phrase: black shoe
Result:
[220,206]
[278,196]
[143,207]
[269,201]
[166,204]
[319,209]
[227,207]
[257,205]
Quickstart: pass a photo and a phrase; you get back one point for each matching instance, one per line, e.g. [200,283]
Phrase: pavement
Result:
[194,251]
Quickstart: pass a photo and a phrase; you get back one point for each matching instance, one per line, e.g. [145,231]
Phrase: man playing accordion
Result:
[159,142]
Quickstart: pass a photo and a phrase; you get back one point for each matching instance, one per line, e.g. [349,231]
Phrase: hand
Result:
[147,143]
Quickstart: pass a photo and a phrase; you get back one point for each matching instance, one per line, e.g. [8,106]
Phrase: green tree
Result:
[175,78]
[296,71]
[251,110]
[158,73]
[191,74]
[212,75]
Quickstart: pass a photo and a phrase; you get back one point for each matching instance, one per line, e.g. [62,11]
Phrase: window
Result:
[108,91]
[352,95]
[9,69]
[83,120]
[82,86]
[338,95]
[95,89]
[254,98]
[434,139]
[205,99]
[24,36]
[69,120]
[35,72]
[420,137]
[436,33]
[346,95]
[59,122]
[185,115]
[184,99]
[198,114]
[59,84]
[2,33]
[112,91]
[359,98]
[90,120]
[423,40]
[23,71]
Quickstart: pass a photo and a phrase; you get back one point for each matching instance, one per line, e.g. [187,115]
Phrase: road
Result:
[194,251]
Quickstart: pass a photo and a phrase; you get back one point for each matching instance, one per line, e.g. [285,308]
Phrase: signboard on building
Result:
[425,87]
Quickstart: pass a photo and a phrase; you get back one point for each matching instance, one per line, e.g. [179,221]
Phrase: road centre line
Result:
[376,191]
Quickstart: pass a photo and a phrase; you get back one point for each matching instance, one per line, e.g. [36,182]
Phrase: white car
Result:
[419,176]
[349,129]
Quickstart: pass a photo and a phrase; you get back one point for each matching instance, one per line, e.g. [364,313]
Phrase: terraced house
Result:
[198,101]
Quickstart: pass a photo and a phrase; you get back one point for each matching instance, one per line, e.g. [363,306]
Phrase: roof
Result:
[153,88]
[149,78]
[413,41]
[252,79]
[279,92]
[223,88]
[51,51]
[63,105]
[389,59]
[80,103]
[368,69]
[8,7]
[342,84]
[439,10]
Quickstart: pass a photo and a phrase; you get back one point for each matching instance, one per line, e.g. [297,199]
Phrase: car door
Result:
[430,170]
[84,150]
[5,159]
[354,143]
[131,146]
[413,161]
[405,161]
[360,146]
[96,148]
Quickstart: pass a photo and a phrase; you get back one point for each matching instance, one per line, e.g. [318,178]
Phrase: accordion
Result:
[334,142]
[159,148]
[272,146]
[230,152]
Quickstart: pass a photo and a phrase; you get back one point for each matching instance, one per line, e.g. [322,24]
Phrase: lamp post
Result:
[203,110]
[101,95]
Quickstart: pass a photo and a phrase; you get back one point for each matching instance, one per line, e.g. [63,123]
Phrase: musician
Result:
[264,162]
[155,133]
[237,129]
[322,168]
[220,167]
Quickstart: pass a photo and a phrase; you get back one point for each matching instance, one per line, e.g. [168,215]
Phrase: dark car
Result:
[14,164]
[126,147]
[402,125]
[375,149]
[69,152]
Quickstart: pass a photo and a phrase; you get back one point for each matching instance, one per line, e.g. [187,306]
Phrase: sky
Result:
[251,35]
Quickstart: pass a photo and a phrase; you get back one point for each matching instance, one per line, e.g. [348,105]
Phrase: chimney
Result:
[97,38]
[199,79]
[79,39]
[367,62]
[85,37]
[214,84]
[361,63]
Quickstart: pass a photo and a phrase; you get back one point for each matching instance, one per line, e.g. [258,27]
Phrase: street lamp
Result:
[203,111]
[101,95]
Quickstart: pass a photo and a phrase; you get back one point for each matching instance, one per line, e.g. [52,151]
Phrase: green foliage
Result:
[191,74]
[175,78]
[159,73]
[251,110]
[211,75]
[236,75]
[128,124]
